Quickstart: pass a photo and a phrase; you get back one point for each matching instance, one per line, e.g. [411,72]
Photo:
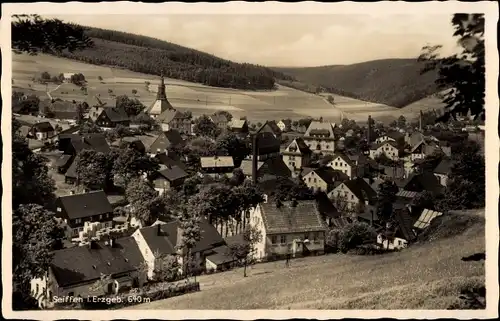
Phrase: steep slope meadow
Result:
[429,275]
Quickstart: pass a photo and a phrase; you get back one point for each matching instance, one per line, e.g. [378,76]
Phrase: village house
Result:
[219,120]
[174,119]
[351,165]
[424,181]
[392,136]
[217,166]
[388,148]
[401,234]
[67,76]
[109,117]
[285,125]
[62,163]
[268,146]
[164,239]
[72,144]
[295,228]
[41,131]
[239,127]
[324,179]
[443,170]
[74,271]
[80,210]
[166,140]
[167,178]
[141,143]
[170,159]
[320,137]
[269,167]
[272,128]
[354,195]
[297,155]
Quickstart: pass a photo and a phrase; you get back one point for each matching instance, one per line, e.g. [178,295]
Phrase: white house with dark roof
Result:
[297,154]
[41,131]
[168,177]
[443,170]
[353,195]
[73,271]
[239,127]
[320,137]
[289,228]
[156,241]
[87,211]
[388,148]
[217,165]
[352,166]
[324,179]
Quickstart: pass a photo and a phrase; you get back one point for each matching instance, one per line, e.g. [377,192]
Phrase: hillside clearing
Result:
[258,106]
[425,276]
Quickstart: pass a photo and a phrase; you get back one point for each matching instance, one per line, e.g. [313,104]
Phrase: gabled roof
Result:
[218,118]
[246,166]
[325,206]
[81,264]
[298,146]
[62,160]
[167,116]
[405,224]
[330,175]
[425,218]
[43,127]
[271,166]
[287,122]
[267,143]
[391,171]
[444,167]
[216,161]
[170,159]
[165,140]
[375,146]
[163,238]
[394,135]
[95,142]
[269,127]
[361,189]
[115,114]
[344,157]
[302,218]
[238,123]
[173,173]
[86,204]
[423,182]
[320,128]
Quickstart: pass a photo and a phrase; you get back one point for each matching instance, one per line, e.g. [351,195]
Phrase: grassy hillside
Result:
[151,56]
[426,276]
[393,82]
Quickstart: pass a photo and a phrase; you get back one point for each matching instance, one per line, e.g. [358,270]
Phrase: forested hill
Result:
[394,82]
[151,56]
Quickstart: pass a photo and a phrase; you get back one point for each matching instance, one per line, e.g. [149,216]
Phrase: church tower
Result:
[161,104]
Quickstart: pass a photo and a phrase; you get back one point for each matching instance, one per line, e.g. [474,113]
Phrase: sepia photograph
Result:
[249,160]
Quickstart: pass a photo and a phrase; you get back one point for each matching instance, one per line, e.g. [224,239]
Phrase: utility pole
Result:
[230,100]
[206,100]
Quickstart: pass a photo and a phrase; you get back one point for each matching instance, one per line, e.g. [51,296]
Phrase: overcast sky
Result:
[289,40]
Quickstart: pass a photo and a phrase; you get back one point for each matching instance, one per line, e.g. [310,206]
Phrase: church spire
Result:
[161,95]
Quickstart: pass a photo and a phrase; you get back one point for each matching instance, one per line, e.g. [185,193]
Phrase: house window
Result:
[315,180]
[336,164]
[315,237]
[77,221]
[399,242]
[274,239]
[58,209]
[309,179]
[352,196]
[37,289]
[283,239]
[100,217]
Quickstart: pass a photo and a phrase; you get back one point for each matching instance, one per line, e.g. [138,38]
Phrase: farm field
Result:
[257,106]
[426,276]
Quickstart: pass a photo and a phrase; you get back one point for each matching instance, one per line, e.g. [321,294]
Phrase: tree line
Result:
[188,65]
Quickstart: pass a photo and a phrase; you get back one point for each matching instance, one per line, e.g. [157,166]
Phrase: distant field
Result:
[258,106]
[426,276]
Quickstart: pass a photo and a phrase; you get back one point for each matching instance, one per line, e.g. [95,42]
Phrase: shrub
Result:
[354,235]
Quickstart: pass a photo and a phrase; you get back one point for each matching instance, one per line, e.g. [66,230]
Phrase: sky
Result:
[289,40]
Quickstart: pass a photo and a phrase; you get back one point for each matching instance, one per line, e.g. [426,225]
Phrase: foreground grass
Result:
[426,276]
